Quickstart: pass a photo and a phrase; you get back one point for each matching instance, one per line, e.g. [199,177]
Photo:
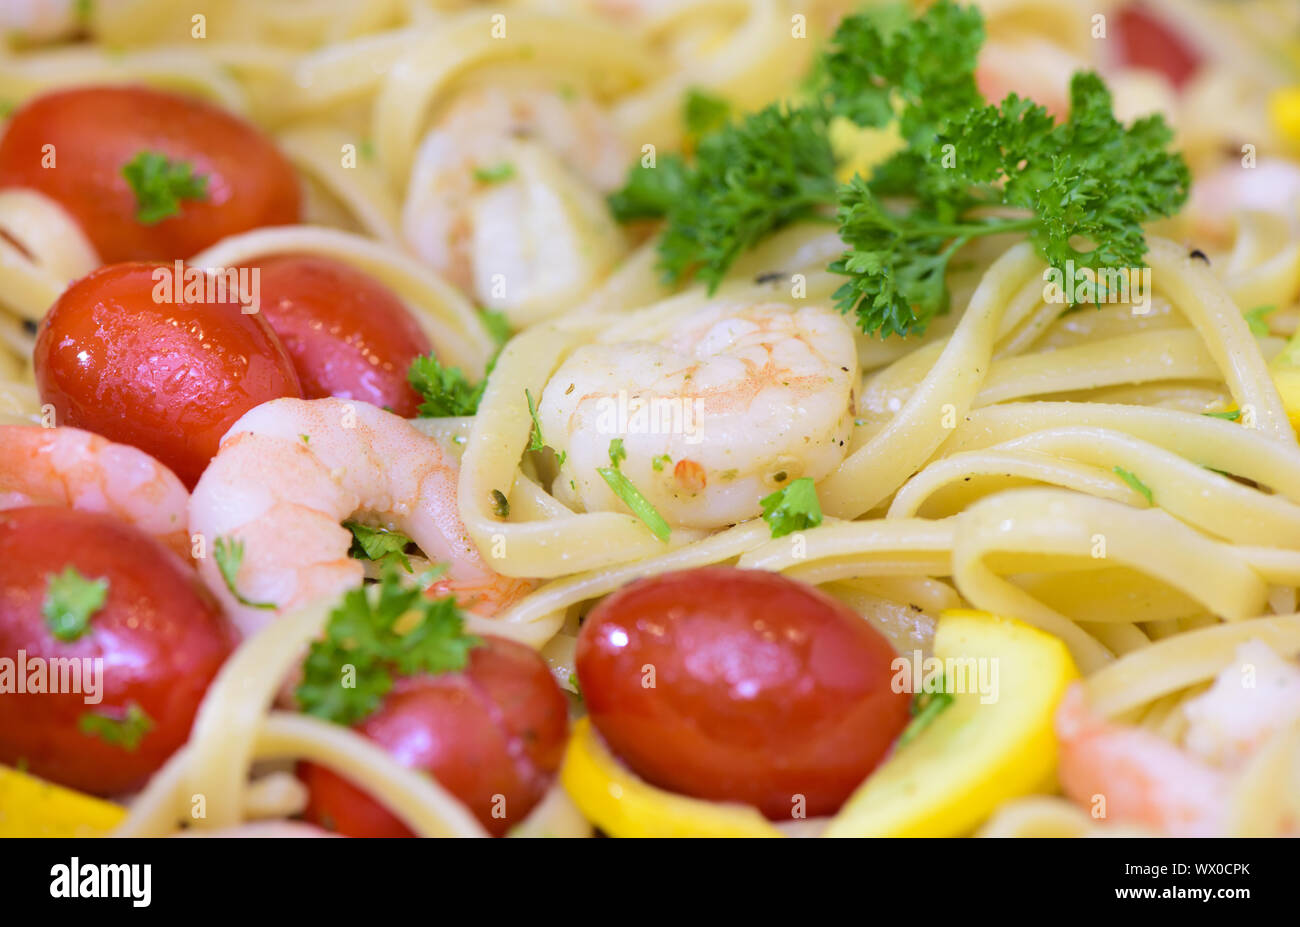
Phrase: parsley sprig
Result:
[446,391]
[1081,189]
[375,633]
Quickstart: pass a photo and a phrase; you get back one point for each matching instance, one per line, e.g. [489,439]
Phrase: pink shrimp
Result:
[1134,776]
[290,471]
[81,470]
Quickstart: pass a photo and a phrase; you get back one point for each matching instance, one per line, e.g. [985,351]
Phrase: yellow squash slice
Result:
[31,807]
[973,756]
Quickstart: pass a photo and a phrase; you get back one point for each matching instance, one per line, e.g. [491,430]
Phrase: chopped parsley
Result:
[631,496]
[792,508]
[1131,478]
[925,707]
[1255,319]
[657,463]
[377,632]
[535,440]
[160,185]
[500,504]
[497,173]
[1231,415]
[229,555]
[497,324]
[126,732]
[70,601]
[702,112]
[446,391]
[379,544]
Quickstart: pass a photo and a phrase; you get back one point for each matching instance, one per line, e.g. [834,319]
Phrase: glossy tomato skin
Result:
[740,685]
[96,131]
[167,378]
[160,634]
[498,727]
[348,334]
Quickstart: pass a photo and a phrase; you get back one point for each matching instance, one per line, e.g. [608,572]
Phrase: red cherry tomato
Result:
[492,734]
[348,334]
[740,685]
[168,378]
[72,145]
[1147,42]
[159,633]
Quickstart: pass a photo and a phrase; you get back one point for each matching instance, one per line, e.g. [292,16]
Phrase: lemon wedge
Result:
[976,754]
[32,807]
[623,805]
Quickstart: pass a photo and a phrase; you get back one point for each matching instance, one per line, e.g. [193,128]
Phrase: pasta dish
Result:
[650,418]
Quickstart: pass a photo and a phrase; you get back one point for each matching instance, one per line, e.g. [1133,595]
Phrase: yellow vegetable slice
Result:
[973,756]
[31,807]
[622,805]
[1287,380]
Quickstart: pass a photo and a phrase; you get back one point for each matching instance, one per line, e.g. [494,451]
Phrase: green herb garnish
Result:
[792,508]
[229,555]
[631,496]
[378,544]
[160,184]
[70,601]
[1131,478]
[125,732]
[377,632]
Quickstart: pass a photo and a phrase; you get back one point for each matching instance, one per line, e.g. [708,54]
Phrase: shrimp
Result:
[291,470]
[505,199]
[38,20]
[1273,185]
[1249,702]
[1132,775]
[81,470]
[728,405]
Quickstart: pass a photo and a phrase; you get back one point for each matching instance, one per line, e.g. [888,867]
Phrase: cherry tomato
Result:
[160,635]
[348,334]
[740,685]
[72,145]
[168,378]
[492,734]
[1147,42]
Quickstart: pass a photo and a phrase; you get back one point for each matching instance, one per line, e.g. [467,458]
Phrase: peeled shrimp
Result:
[1133,776]
[1250,701]
[505,199]
[723,407]
[81,470]
[290,471]
[1272,185]
[38,20]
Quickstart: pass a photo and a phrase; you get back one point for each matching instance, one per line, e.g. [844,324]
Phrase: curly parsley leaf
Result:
[229,555]
[376,632]
[792,508]
[535,440]
[70,601]
[650,190]
[378,544]
[446,391]
[126,731]
[160,184]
